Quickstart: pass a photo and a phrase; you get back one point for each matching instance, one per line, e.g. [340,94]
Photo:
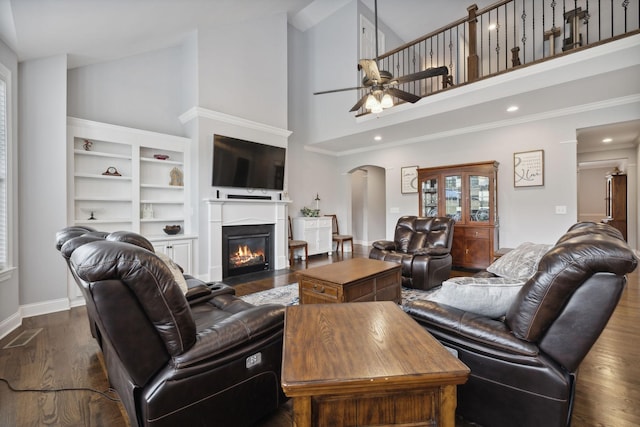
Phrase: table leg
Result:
[302,411]
[448,403]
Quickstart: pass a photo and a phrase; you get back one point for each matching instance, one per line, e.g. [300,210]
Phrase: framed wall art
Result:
[528,169]
[409,179]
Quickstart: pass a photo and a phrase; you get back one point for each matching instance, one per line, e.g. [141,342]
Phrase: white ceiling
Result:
[91,31]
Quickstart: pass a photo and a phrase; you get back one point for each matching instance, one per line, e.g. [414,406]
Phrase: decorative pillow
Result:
[490,296]
[175,270]
[520,263]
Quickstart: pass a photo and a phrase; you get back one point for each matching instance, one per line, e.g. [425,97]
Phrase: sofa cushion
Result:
[176,271]
[489,296]
[520,263]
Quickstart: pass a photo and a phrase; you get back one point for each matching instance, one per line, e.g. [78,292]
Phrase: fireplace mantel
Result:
[224,212]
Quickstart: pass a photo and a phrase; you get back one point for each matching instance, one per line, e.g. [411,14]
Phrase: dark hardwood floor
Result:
[63,355]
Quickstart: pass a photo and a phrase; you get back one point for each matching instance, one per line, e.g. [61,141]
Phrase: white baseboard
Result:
[15,321]
[45,307]
[9,324]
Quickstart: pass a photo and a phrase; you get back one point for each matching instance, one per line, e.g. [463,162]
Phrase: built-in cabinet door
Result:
[180,251]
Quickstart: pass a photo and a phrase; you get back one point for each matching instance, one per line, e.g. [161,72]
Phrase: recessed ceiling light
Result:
[377,138]
[512,108]
[607,140]
[492,27]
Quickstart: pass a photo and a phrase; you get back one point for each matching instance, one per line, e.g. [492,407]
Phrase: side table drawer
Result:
[314,291]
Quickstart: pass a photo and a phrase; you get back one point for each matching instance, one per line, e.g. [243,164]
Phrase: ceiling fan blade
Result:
[424,74]
[359,104]
[338,90]
[370,68]
[405,96]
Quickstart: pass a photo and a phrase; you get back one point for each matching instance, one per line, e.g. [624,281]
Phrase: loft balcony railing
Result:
[506,36]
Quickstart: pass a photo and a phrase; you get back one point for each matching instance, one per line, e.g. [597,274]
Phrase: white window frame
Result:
[6,265]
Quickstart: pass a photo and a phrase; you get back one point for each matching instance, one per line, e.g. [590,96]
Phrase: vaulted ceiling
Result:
[91,31]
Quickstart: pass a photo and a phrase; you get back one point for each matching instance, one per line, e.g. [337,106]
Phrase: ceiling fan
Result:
[381,83]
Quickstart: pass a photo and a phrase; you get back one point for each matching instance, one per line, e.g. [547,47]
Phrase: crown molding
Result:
[203,113]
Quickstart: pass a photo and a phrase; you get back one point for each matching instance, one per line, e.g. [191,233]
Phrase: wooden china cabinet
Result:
[468,194]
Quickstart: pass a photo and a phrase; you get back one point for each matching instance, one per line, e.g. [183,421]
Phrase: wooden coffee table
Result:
[366,364]
[354,280]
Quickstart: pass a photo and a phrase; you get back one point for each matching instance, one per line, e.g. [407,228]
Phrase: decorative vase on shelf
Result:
[176,177]
[147,211]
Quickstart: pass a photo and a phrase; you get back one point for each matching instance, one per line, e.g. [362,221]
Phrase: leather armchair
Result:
[524,367]
[423,247]
[214,360]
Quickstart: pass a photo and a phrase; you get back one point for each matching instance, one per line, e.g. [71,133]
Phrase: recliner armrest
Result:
[235,331]
[384,245]
[219,288]
[201,292]
[469,330]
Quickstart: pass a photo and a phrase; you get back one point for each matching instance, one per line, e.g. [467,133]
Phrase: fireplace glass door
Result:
[246,249]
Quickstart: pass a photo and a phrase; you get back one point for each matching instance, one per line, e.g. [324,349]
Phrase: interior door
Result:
[368,39]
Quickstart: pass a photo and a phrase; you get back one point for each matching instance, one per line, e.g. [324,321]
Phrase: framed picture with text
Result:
[409,179]
[528,168]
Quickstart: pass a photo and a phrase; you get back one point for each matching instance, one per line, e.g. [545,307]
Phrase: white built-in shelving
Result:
[143,183]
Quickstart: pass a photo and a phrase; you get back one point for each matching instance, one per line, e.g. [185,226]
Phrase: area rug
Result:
[288,295]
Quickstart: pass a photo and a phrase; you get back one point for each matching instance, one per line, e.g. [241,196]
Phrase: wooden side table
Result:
[354,280]
[366,364]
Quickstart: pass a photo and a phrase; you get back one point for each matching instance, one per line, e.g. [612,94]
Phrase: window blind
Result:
[3,173]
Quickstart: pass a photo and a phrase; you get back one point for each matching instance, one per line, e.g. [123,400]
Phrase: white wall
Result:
[142,92]
[309,173]
[359,182]
[243,69]
[376,212]
[43,183]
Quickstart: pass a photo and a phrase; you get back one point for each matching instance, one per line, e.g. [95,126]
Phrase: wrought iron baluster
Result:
[625,4]
[524,33]
[497,40]
[450,56]
[506,39]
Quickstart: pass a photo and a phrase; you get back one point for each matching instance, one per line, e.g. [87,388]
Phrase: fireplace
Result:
[247,249]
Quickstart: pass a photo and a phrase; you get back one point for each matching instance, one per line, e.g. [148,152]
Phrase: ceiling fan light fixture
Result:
[387,101]
[371,102]
[377,108]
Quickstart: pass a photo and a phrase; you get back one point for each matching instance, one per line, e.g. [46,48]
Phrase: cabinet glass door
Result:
[430,197]
[479,208]
[453,196]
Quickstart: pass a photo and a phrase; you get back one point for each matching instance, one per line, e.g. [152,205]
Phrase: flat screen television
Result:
[246,164]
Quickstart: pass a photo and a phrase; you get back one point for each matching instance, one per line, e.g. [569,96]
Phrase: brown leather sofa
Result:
[423,247]
[524,366]
[201,358]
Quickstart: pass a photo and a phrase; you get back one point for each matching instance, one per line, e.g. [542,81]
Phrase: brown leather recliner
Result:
[214,360]
[423,247]
[524,367]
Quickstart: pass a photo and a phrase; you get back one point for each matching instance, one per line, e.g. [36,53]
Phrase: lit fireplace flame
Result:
[245,256]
